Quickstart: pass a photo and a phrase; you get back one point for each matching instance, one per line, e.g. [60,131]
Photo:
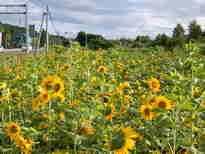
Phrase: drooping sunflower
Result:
[154,84]
[146,112]
[124,140]
[12,129]
[163,103]
[109,111]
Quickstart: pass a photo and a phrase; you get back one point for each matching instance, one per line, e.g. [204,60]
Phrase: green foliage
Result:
[92,41]
[58,49]
[178,31]
[162,40]
[75,46]
[142,41]
[178,37]
[195,31]
[191,48]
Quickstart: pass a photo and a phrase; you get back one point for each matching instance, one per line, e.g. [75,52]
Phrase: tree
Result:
[142,41]
[178,37]
[93,41]
[81,38]
[161,40]
[195,31]
[178,31]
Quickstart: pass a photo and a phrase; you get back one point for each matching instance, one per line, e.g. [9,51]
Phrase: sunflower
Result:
[196,92]
[188,124]
[120,66]
[124,140]
[3,92]
[120,88]
[2,85]
[87,131]
[93,79]
[127,99]
[61,116]
[36,104]
[102,69]
[163,103]
[73,103]
[65,68]
[44,97]
[54,85]
[154,84]
[45,116]
[61,97]
[150,100]
[47,83]
[146,112]
[58,86]
[25,145]
[15,93]
[12,129]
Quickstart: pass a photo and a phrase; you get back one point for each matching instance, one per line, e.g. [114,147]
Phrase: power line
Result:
[52,22]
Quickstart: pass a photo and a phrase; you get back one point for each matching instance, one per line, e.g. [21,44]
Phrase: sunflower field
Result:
[102,102]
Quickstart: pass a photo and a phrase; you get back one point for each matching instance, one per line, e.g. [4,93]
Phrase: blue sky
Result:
[114,18]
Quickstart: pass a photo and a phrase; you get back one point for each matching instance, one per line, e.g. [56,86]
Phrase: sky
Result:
[112,18]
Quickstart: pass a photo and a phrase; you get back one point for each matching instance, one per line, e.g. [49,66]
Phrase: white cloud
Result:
[116,17]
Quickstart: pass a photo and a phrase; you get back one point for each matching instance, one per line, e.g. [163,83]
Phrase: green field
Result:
[90,102]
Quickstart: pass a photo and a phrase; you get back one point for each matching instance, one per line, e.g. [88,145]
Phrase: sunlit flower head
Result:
[146,112]
[12,129]
[163,103]
[154,84]
[2,85]
[25,145]
[102,69]
[44,97]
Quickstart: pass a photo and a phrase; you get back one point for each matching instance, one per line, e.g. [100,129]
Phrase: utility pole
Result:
[27,28]
[47,36]
[41,27]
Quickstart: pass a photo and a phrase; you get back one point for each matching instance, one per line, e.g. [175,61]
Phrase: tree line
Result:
[178,39]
